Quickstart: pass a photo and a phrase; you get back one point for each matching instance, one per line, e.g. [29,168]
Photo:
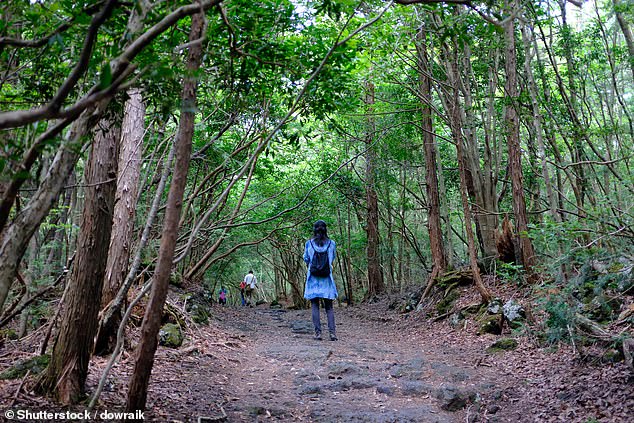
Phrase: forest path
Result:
[375,372]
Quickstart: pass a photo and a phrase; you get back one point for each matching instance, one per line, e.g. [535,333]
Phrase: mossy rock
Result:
[504,344]
[34,364]
[490,324]
[445,305]
[455,319]
[200,314]
[171,335]
[495,306]
[9,334]
[455,278]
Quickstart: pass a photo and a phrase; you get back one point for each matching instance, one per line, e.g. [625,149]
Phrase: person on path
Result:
[251,282]
[222,296]
[319,254]
[243,285]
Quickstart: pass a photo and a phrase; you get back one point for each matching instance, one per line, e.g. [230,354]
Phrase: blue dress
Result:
[320,287]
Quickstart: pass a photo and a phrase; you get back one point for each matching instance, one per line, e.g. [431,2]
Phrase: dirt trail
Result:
[261,365]
[374,373]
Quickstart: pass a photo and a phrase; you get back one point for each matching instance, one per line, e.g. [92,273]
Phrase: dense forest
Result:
[152,147]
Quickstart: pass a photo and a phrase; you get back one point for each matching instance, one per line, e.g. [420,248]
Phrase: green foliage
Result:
[510,272]
[258,59]
[560,319]
[35,365]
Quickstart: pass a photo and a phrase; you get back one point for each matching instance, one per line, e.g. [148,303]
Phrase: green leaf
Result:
[105,79]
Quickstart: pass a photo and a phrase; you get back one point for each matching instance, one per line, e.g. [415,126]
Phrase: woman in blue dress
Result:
[320,286]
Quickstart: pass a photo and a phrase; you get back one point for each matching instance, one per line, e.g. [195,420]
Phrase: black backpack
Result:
[320,263]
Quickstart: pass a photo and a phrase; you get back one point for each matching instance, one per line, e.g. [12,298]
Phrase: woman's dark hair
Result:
[320,233]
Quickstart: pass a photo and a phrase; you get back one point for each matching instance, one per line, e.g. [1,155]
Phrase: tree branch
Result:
[408,2]
[17,42]
[119,66]
[21,117]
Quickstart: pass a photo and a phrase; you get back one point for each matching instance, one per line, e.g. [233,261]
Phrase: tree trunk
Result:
[431,177]
[348,256]
[525,247]
[15,237]
[627,32]
[137,391]
[537,123]
[68,369]
[455,120]
[129,170]
[480,182]
[292,269]
[56,257]
[375,276]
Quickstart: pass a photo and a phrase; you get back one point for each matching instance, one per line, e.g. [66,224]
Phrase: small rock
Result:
[455,319]
[302,326]
[513,310]
[504,344]
[343,368]
[171,335]
[452,398]
[412,370]
[447,372]
[490,324]
[495,306]
[415,389]
[384,389]
[493,409]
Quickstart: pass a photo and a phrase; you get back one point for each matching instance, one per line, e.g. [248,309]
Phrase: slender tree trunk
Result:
[117,304]
[537,123]
[375,276]
[129,170]
[389,221]
[349,272]
[292,265]
[56,257]
[455,120]
[431,177]
[481,182]
[577,153]
[401,238]
[524,244]
[343,259]
[444,214]
[627,32]
[137,391]
[68,369]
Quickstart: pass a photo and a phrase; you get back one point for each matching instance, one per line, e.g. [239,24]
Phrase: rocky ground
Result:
[261,364]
